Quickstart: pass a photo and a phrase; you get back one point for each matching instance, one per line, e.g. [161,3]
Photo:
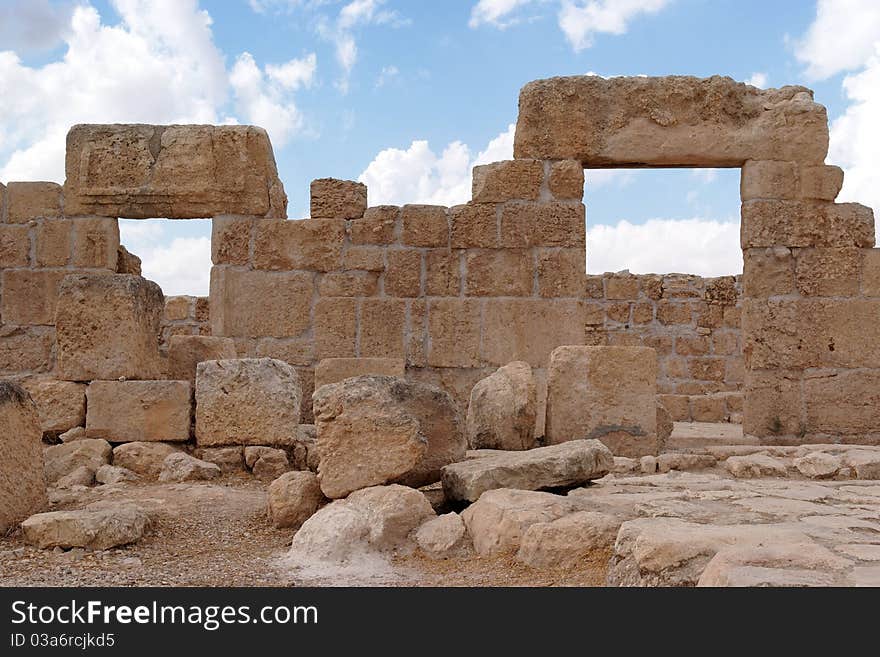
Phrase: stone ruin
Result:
[374,345]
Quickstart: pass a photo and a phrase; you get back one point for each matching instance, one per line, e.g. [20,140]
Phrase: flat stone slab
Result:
[97,529]
[568,464]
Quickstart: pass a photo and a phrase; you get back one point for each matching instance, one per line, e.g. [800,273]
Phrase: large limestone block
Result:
[61,404]
[607,393]
[22,482]
[569,540]
[107,327]
[443,537]
[96,529]
[293,498]
[378,429]
[572,463]
[768,223]
[145,459]
[333,370]
[502,408]
[61,460]
[247,401]
[139,411]
[174,171]
[185,352]
[337,199]
[667,121]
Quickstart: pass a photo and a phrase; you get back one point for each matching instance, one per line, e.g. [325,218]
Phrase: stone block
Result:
[502,408]
[95,242]
[403,272]
[806,223]
[15,247]
[606,393]
[231,239]
[349,284]
[259,303]
[30,296]
[293,351]
[708,408]
[60,404]
[185,352]
[507,180]
[108,327]
[677,121]
[525,224]
[309,244]
[333,370]
[442,273]
[366,258]
[820,182]
[561,273]
[499,273]
[567,180]
[454,332]
[842,402]
[622,286]
[828,272]
[24,349]
[768,272]
[674,312]
[768,179]
[337,199]
[678,407]
[474,225]
[139,411]
[424,225]
[871,273]
[249,401]
[32,200]
[772,403]
[177,308]
[382,328]
[336,327]
[377,226]
[176,171]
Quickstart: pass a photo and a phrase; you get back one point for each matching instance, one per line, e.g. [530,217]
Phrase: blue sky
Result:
[407,95]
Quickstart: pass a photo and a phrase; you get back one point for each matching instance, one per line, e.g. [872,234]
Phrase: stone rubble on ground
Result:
[180,466]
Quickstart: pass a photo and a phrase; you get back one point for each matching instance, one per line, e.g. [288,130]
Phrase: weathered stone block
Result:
[108,327]
[185,352]
[60,404]
[772,403]
[820,182]
[403,272]
[607,393]
[526,224]
[310,244]
[424,225]
[765,179]
[871,273]
[499,273]
[293,351]
[454,332]
[95,242]
[567,180]
[474,225]
[367,258]
[336,327]
[250,401]
[842,402]
[32,200]
[127,263]
[502,409]
[22,483]
[828,272]
[507,180]
[806,223]
[383,322]
[15,247]
[139,411]
[674,312]
[333,370]
[231,239]
[258,303]
[349,284]
[768,272]
[24,349]
[377,226]
[622,286]
[337,199]
[177,308]
[561,272]
[143,458]
[442,273]
[30,297]
[176,171]
[677,121]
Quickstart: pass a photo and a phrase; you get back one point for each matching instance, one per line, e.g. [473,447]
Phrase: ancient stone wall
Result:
[184,315]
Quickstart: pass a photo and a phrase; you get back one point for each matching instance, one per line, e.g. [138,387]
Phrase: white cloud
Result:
[181,265]
[841,38]
[33,24]
[419,175]
[294,74]
[596,178]
[695,246]
[495,12]
[387,75]
[758,80]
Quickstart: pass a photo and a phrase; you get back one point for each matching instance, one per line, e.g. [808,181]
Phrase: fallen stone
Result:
[228,459]
[786,564]
[572,463]
[185,352]
[624,465]
[77,433]
[443,537]
[247,401]
[94,529]
[145,459]
[267,463]
[755,465]
[684,462]
[392,513]
[81,476]
[818,465]
[293,498]
[502,408]
[65,458]
[180,466]
[60,404]
[139,411]
[113,474]
[497,521]
[866,463]
[567,541]
[22,479]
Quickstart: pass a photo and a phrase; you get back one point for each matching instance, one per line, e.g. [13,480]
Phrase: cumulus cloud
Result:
[758,80]
[826,51]
[579,20]
[705,247]
[28,25]
[180,265]
[159,64]
[418,174]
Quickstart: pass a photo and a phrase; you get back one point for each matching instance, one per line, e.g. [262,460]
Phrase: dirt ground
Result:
[217,534]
